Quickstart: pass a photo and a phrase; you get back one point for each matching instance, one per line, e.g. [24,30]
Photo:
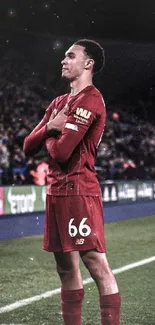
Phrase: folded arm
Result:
[34,141]
[73,132]
[49,126]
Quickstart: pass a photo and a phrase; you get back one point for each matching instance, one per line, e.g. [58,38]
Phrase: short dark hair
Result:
[94,51]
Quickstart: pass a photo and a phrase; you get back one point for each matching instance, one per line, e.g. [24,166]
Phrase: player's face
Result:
[74,62]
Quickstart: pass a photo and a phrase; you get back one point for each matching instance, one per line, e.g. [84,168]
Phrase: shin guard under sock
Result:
[110,309]
[71,305]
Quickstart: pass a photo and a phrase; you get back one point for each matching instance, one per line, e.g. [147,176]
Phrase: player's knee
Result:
[95,271]
[66,272]
[97,268]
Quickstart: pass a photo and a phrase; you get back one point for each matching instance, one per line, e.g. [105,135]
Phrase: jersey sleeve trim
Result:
[71,126]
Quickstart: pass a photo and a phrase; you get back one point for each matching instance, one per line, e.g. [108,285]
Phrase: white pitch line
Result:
[47,294]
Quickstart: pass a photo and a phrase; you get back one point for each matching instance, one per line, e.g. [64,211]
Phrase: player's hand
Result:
[57,122]
[53,115]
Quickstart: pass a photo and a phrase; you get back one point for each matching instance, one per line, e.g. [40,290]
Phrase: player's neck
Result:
[79,84]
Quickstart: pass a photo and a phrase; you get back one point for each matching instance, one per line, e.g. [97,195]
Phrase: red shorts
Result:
[73,223]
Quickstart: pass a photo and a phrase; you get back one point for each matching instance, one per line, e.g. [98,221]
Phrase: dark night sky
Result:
[44,29]
[122,19]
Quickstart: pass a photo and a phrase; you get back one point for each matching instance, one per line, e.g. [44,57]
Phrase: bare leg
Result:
[72,292]
[100,271]
[69,270]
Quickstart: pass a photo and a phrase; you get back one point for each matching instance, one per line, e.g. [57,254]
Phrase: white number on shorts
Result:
[73,230]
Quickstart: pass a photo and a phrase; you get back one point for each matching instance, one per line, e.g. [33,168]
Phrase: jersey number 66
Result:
[83,229]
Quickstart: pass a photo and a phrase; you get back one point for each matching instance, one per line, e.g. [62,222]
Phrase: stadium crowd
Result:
[127,150]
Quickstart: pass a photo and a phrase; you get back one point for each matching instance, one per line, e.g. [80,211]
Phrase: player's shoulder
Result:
[93,99]
[60,98]
[56,101]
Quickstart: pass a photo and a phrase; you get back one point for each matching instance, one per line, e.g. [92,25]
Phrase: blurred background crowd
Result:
[33,39]
[127,149]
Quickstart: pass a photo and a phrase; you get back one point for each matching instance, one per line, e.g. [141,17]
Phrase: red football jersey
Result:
[72,154]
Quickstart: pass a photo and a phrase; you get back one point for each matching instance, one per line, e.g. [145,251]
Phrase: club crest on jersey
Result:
[83,113]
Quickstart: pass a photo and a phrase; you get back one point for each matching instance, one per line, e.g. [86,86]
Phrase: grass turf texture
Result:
[27,271]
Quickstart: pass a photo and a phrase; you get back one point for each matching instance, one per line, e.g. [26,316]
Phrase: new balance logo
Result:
[83,113]
[79,241]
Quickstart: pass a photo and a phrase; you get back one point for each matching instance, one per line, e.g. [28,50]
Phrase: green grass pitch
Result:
[26,271]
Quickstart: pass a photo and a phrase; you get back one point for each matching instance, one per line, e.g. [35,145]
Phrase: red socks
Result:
[110,309]
[71,305]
